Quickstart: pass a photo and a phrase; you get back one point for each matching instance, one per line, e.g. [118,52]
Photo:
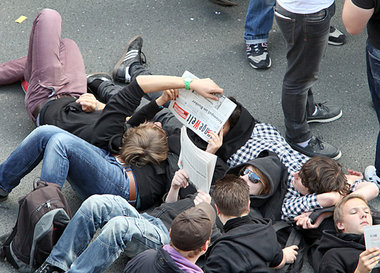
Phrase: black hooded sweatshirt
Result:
[338,252]
[247,245]
[268,205]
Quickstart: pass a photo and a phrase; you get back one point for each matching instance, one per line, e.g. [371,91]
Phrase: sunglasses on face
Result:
[252,176]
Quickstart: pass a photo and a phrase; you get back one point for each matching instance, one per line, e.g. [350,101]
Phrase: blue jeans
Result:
[373,75]
[259,21]
[306,39]
[123,229]
[89,169]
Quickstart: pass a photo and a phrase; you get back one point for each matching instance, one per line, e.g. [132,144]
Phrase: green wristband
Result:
[187,83]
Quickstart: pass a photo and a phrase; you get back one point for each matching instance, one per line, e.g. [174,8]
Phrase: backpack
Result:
[42,217]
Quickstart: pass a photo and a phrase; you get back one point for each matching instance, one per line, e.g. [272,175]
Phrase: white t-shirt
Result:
[305,6]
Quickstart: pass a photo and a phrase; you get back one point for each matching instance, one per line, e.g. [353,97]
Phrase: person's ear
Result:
[340,226]
[217,210]
[170,233]
[205,245]
[296,175]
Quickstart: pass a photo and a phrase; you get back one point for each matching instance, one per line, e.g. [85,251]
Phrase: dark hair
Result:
[322,174]
[231,195]
[234,118]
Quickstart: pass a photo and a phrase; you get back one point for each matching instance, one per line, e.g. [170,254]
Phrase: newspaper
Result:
[198,164]
[372,237]
[200,114]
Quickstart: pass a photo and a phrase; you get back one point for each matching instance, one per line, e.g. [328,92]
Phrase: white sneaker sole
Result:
[255,67]
[326,120]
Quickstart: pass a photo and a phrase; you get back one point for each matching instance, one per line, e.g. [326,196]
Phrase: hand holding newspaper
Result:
[199,114]
[198,164]
[372,237]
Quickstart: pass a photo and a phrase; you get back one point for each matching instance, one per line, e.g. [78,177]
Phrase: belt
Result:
[132,187]
[131,180]
[39,107]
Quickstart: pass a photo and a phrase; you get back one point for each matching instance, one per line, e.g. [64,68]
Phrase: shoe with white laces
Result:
[371,175]
[258,56]
[132,54]
[317,147]
[336,37]
[325,113]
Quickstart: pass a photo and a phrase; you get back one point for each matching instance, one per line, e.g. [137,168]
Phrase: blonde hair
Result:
[263,180]
[144,144]
[338,211]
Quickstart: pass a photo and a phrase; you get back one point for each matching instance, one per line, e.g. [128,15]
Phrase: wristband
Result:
[187,80]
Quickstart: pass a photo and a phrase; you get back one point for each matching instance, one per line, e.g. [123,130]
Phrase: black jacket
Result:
[105,129]
[269,205]
[338,253]
[248,245]
[152,261]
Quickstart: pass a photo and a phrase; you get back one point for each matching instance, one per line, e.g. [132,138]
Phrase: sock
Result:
[304,144]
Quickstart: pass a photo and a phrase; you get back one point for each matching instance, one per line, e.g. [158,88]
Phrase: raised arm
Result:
[153,83]
[355,18]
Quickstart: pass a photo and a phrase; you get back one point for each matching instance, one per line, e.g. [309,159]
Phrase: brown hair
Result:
[146,143]
[322,174]
[338,211]
[231,195]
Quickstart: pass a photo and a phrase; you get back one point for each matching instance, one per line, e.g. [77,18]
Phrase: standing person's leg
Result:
[54,66]
[73,250]
[372,173]
[12,71]
[306,39]
[258,23]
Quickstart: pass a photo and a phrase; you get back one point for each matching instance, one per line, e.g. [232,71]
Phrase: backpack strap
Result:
[5,251]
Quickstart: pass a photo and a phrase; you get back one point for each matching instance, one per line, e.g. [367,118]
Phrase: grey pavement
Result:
[194,35]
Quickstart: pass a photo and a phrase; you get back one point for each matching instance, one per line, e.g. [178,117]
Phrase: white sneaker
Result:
[371,176]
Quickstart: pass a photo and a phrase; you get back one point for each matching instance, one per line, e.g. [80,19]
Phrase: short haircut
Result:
[231,195]
[338,211]
[322,174]
[144,144]
[234,118]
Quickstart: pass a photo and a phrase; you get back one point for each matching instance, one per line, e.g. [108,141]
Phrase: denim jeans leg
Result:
[89,169]
[373,75]
[131,234]
[306,38]
[93,214]
[26,156]
[258,21]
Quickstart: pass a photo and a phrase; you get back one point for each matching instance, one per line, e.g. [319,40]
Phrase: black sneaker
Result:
[92,85]
[325,113]
[3,195]
[132,54]
[258,56]
[336,37]
[317,147]
[48,268]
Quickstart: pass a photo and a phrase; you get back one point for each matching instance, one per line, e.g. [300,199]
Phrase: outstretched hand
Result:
[304,221]
[207,88]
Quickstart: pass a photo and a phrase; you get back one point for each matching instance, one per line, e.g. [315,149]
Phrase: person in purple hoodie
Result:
[190,234]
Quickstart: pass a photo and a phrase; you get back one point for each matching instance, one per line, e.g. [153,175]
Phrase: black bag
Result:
[42,217]
[287,235]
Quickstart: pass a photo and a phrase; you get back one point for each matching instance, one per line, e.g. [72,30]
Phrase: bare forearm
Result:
[328,199]
[154,83]
[368,190]
[172,195]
